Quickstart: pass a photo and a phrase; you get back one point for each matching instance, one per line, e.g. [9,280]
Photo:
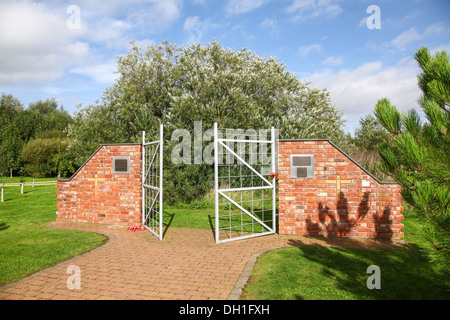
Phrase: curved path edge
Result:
[187,266]
[110,240]
[245,275]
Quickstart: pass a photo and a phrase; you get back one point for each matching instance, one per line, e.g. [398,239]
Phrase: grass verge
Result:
[328,273]
[26,244]
[310,273]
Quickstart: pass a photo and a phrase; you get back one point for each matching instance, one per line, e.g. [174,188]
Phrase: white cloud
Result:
[243,6]
[270,24]
[114,23]
[406,37]
[357,91]
[158,15]
[403,40]
[109,32]
[165,11]
[363,22]
[311,9]
[196,28]
[411,15]
[435,30]
[36,44]
[306,50]
[445,47]
[100,72]
[334,61]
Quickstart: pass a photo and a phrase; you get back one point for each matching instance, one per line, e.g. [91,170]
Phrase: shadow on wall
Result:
[337,223]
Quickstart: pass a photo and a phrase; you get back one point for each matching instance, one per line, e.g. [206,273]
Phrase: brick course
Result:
[95,195]
[335,203]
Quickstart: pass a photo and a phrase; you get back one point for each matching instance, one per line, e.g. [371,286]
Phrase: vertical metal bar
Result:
[216,181]
[149,180]
[161,139]
[274,192]
[142,179]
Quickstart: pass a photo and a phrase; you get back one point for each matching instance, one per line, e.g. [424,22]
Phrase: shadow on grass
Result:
[168,223]
[406,273]
[3,226]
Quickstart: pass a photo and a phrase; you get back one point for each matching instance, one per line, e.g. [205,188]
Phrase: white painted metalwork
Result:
[152,185]
[245,195]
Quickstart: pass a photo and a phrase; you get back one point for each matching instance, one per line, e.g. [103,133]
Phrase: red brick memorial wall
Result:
[322,191]
[106,189]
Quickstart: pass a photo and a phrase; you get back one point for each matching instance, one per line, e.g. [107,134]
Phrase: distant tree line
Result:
[33,139]
[176,86]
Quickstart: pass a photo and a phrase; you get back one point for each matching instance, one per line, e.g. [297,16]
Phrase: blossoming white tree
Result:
[180,85]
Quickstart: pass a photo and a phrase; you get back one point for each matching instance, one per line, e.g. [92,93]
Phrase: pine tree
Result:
[419,155]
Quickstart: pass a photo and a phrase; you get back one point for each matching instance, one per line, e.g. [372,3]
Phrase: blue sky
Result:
[67,50]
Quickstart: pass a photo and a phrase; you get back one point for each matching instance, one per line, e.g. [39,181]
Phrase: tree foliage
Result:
[368,135]
[47,155]
[10,142]
[176,86]
[419,157]
[19,125]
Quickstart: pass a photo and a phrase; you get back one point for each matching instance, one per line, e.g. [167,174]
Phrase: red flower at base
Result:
[272,175]
[136,228]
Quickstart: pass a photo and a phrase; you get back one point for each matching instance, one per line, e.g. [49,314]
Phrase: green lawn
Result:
[201,214]
[26,244]
[326,273]
[177,217]
[313,273]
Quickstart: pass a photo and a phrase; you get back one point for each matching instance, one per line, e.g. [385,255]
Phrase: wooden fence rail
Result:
[22,185]
[39,183]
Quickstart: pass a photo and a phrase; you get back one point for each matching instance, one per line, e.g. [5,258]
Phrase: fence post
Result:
[1,194]
[21,188]
[33,183]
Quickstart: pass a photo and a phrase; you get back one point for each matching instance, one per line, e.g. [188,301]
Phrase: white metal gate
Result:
[152,185]
[245,192]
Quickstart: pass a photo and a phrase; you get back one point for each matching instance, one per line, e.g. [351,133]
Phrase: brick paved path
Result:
[187,264]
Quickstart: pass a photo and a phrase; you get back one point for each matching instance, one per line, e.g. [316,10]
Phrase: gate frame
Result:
[217,191]
[159,188]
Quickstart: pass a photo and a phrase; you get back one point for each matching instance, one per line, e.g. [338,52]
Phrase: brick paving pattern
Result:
[186,265]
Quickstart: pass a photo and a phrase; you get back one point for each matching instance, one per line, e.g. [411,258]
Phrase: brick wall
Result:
[94,194]
[341,200]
